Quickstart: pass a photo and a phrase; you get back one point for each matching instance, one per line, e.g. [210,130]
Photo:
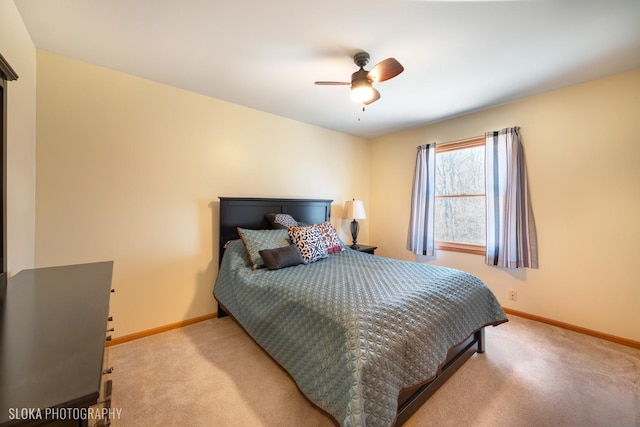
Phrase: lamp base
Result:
[355,228]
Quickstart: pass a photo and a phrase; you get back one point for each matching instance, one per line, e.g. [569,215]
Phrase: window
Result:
[460,223]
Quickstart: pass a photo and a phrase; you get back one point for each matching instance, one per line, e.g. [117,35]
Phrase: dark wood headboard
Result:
[248,212]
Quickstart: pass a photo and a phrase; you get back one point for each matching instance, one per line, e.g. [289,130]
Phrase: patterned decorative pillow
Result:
[310,242]
[280,220]
[330,236]
[256,240]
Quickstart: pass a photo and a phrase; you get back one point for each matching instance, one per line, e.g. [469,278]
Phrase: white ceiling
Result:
[459,56]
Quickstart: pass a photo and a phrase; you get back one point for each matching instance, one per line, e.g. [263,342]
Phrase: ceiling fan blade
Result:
[333,83]
[385,70]
[374,98]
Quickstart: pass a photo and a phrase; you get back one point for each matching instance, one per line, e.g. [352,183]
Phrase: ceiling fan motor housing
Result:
[361,74]
[361,59]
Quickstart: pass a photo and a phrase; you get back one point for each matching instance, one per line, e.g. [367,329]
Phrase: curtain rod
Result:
[460,140]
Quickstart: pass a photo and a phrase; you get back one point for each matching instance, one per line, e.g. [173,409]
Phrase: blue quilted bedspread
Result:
[354,329]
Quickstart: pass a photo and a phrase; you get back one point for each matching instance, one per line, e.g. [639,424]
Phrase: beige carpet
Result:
[532,374]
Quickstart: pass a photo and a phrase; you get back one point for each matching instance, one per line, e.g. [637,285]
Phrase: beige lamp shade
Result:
[354,209]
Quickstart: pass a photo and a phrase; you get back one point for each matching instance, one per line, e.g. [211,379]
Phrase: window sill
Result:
[461,247]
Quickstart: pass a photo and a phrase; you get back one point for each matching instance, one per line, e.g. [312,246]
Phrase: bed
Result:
[367,339]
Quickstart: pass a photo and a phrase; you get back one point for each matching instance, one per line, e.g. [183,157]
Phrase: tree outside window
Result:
[460,217]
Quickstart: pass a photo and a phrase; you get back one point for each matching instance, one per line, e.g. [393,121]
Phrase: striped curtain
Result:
[420,239]
[511,230]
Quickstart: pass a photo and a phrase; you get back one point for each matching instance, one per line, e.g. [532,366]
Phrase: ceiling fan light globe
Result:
[361,91]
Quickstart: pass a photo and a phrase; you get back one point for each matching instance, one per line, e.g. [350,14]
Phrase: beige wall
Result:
[583,154]
[17,48]
[130,170]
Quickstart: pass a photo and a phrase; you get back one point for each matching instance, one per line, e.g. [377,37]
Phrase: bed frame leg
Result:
[481,342]
[221,312]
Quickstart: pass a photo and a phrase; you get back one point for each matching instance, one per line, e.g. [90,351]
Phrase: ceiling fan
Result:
[362,89]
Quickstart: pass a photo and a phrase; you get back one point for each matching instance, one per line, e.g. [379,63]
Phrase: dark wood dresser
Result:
[53,329]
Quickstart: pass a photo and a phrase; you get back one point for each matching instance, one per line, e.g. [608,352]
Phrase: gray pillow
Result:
[256,240]
[278,258]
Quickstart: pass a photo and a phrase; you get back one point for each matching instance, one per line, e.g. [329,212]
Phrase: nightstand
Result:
[367,249]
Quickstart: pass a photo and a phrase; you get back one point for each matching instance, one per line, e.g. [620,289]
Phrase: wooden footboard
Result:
[410,400]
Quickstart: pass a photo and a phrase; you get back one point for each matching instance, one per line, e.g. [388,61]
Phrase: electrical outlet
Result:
[513,295]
